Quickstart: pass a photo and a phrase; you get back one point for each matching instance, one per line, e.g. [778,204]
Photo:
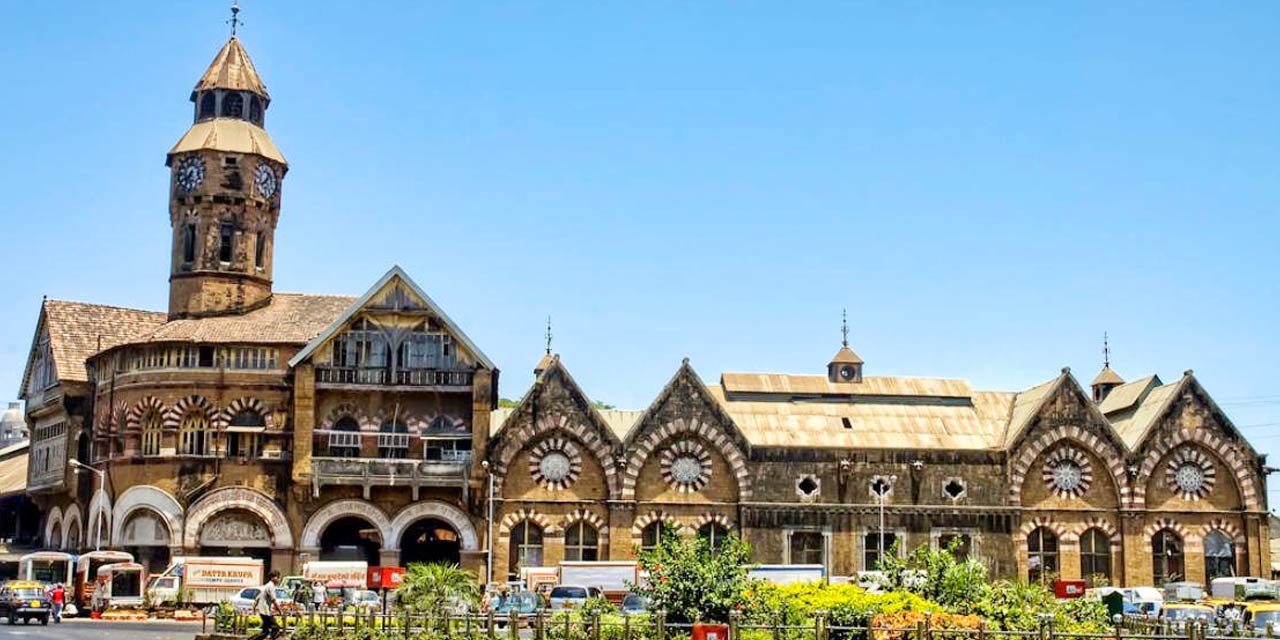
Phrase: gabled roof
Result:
[1133,427]
[232,69]
[288,318]
[846,356]
[713,403]
[394,273]
[1031,403]
[77,330]
[1128,395]
[610,422]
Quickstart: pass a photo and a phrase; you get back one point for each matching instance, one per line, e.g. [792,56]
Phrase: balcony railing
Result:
[327,374]
[389,472]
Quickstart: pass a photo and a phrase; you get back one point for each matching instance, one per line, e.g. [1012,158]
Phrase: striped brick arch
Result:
[639,524]
[1225,526]
[112,421]
[1101,524]
[1059,529]
[1215,444]
[243,404]
[510,520]
[1101,447]
[347,410]
[1160,524]
[139,410]
[679,428]
[577,431]
[718,518]
[187,405]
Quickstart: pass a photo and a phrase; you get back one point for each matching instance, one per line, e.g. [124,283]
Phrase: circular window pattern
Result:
[686,465]
[555,463]
[1190,473]
[1067,472]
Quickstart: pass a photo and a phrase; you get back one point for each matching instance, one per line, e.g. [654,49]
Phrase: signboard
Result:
[384,577]
[1069,588]
[337,574]
[198,575]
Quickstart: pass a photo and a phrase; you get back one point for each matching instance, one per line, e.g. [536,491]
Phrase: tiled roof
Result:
[1107,376]
[228,134]
[78,330]
[290,318]
[232,69]
[846,356]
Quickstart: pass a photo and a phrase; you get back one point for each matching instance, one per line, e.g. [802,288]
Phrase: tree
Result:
[936,575]
[431,588]
[692,582]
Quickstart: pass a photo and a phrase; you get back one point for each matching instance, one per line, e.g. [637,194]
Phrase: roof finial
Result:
[548,335]
[235,17]
[1106,351]
[844,327]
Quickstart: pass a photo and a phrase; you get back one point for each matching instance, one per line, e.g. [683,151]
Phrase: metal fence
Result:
[545,625]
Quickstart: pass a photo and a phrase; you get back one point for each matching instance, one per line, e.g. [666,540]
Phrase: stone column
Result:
[389,557]
[620,542]
[304,420]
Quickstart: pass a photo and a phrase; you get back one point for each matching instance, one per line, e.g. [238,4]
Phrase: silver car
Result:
[566,597]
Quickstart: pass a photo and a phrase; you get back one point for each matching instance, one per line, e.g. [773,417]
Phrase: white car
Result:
[566,596]
[243,601]
[367,600]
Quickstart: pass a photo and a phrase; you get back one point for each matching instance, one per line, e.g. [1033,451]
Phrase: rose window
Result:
[1067,472]
[555,463]
[1190,473]
[686,465]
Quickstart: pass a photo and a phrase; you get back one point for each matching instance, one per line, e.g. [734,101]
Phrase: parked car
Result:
[524,604]
[24,599]
[367,600]
[1182,612]
[243,601]
[565,597]
[1261,615]
[634,603]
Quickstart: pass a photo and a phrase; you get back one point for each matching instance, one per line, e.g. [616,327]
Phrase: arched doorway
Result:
[430,541]
[236,532]
[351,538]
[146,536]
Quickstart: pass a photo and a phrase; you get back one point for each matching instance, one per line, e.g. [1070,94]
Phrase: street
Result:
[84,629]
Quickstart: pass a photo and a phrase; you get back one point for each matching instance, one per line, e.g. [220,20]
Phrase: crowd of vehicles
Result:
[1247,604]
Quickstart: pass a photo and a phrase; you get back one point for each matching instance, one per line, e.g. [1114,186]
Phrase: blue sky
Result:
[988,187]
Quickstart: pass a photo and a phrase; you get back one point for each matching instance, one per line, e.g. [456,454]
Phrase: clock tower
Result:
[224,198]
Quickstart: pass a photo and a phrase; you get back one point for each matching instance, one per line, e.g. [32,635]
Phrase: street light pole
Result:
[102,486]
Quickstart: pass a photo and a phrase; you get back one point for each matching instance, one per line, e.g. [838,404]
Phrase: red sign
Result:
[385,577]
[1069,588]
[702,631]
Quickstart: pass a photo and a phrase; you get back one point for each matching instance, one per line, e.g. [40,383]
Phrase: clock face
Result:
[190,173]
[264,178]
[847,372]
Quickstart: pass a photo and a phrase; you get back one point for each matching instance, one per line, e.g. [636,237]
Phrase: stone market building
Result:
[291,427]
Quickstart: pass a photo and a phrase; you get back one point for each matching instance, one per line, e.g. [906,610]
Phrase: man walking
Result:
[59,598]
[266,607]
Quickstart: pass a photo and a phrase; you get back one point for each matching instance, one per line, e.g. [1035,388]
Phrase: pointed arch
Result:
[1102,524]
[325,516]
[150,498]
[239,405]
[1212,443]
[100,516]
[455,517]
[1231,529]
[640,523]
[648,445]
[53,524]
[588,516]
[1059,529]
[516,517]
[1160,524]
[348,410]
[139,410]
[231,498]
[72,522]
[710,517]
[189,404]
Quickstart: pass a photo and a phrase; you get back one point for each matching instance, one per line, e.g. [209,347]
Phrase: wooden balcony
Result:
[389,472]
[328,376]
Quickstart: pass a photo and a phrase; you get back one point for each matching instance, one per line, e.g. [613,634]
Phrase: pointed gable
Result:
[555,403]
[68,333]
[686,406]
[399,303]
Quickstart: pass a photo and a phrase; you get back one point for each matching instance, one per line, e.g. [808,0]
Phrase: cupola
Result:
[845,366]
[1107,379]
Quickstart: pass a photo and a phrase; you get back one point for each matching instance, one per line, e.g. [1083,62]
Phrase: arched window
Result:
[581,542]
[714,533]
[1095,554]
[1166,558]
[651,535]
[208,105]
[1219,556]
[232,105]
[255,110]
[344,440]
[188,243]
[1042,555]
[393,440]
[193,434]
[526,546]
[151,434]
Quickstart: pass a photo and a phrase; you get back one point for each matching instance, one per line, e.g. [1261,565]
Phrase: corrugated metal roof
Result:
[232,69]
[1025,408]
[13,470]
[1126,396]
[1132,428]
[620,421]
[781,383]
[231,135]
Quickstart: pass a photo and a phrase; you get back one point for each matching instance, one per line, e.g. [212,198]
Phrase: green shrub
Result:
[693,582]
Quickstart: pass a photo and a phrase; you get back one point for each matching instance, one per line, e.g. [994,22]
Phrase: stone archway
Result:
[151,498]
[53,529]
[445,514]
[146,534]
[244,500]
[346,530]
[99,529]
[72,528]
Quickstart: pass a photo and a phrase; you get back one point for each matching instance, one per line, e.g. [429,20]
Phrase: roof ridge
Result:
[103,306]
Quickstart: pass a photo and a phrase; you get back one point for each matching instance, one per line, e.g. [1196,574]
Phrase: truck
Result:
[613,577]
[48,566]
[87,565]
[203,580]
[789,573]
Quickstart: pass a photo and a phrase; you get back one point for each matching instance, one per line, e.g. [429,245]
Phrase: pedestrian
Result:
[98,595]
[59,598]
[266,607]
[317,595]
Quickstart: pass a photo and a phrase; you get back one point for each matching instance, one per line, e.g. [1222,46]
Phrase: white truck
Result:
[197,580]
[614,578]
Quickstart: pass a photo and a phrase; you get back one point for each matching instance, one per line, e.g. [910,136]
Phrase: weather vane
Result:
[235,17]
[844,327]
[548,335]
[1106,350]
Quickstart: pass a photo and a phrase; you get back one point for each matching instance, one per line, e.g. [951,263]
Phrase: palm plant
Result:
[430,588]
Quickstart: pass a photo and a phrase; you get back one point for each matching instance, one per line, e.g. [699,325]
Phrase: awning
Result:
[236,429]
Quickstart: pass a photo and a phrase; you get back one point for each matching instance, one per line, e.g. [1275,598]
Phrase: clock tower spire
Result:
[224,199]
